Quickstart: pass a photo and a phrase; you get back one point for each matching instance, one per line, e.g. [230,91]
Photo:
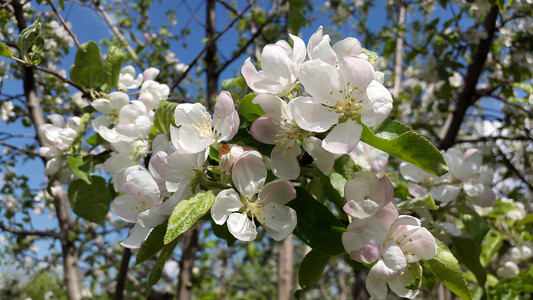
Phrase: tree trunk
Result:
[286,268]
[398,53]
[210,55]
[70,257]
[190,246]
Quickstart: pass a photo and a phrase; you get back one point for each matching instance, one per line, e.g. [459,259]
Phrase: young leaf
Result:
[152,245]
[311,269]
[493,245]
[475,225]
[249,110]
[88,68]
[163,117]
[187,213]
[468,252]
[345,166]
[112,66]
[38,45]
[90,201]
[28,37]
[317,226]
[424,202]
[446,267]
[81,166]
[296,15]
[401,141]
[155,275]
[5,50]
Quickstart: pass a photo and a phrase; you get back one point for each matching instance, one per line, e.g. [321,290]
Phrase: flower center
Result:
[255,208]
[348,101]
[206,127]
[287,134]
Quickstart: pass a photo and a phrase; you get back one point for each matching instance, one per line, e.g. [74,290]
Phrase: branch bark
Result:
[398,52]
[286,268]
[123,271]
[467,94]
[23,232]
[211,54]
[70,255]
[190,246]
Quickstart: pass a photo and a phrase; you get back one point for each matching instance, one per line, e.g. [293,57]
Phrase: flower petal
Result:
[249,173]
[138,235]
[324,160]
[264,130]
[376,105]
[278,220]
[226,202]
[397,285]
[343,138]
[347,46]
[311,115]
[320,79]
[284,162]
[278,191]
[241,227]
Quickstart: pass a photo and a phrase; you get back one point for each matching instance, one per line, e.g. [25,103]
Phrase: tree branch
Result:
[20,149]
[475,139]
[123,271]
[513,169]
[195,60]
[65,80]
[22,232]
[468,90]
[64,23]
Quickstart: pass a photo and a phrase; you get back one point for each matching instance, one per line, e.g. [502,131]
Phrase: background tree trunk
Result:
[286,268]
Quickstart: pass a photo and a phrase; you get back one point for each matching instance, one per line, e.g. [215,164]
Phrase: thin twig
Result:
[184,74]
[64,23]
[65,80]
[29,232]
[20,149]
[510,165]
[475,139]
[119,34]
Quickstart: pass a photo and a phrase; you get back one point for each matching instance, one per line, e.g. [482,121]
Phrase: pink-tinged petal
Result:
[356,71]
[223,117]
[226,202]
[419,244]
[190,139]
[175,167]
[343,138]
[361,209]
[416,190]
[257,82]
[276,64]
[299,51]
[117,163]
[323,51]
[311,115]
[127,207]
[321,80]
[235,128]
[119,100]
[413,173]
[103,106]
[188,114]
[362,186]
[348,46]
[314,40]
[445,193]
[398,285]
[278,191]
[152,217]
[130,112]
[377,104]
[143,182]
[150,74]
[249,173]
[375,285]
[386,185]
[324,160]
[271,105]
[367,254]
[264,130]
[352,241]
[392,263]
[284,162]
[278,220]
[138,235]
[387,215]
[241,227]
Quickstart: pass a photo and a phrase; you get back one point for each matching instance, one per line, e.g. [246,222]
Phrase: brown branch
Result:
[22,232]
[195,60]
[20,149]
[398,52]
[468,90]
[65,80]
[123,271]
[117,32]
[64,23]
[513,169]
[475,139]
[190,246]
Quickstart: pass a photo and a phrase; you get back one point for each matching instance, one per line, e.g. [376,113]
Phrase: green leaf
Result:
[424,202]
[416,271]
[90,201]
[38,45]
[155,275]
[311,269]
[527,219]
[493,245]
[372,56]
[113,65]
[337,182]
[502,207]
[88,68]
[468,252]
[317,226]
[229,84]
[35,59]
[82,126]
[5,50]
[164,117]
[475,225]
[81,166]
[152,245]
[222,232]
[187,213]
[28,36]
[296,15]
[446,267]
[95,140]
[402,142]
[249,110]
[345,166]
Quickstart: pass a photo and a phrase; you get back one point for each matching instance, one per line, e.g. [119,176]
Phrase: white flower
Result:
[277,127]
[369,158]
[340,96]
[177,169]
[281,65]
[153,92]
[319,47]
[366,194]
[264,204]
[113,105]
[6,110]
[127,80]
[134,123]
[198,130]
[509,269]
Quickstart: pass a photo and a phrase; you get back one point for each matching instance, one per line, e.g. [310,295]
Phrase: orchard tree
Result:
[309,150]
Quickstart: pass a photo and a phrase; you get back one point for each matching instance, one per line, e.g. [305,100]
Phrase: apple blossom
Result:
[153,92]
[198,130]
[278,128]
[319,47]
[366,194]
[281,65]
[127,80]
[369,158]
[251,199]
[340,96]
[176,168]
[133,123]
